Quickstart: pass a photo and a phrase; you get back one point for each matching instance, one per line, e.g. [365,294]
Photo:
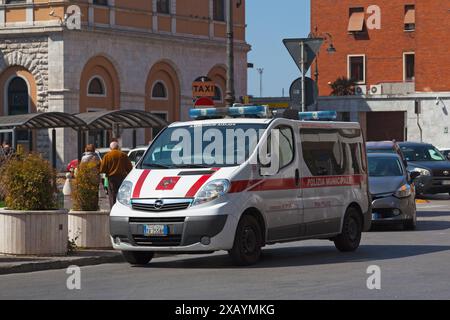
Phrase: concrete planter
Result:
[35,233]
[90,229]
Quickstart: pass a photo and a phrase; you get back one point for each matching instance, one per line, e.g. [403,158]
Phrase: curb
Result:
[60,264]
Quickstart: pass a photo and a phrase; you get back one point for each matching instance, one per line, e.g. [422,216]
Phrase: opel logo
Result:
[159,204]
[446,173]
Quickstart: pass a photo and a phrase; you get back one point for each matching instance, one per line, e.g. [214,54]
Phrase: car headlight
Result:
[404,191]
[423,172]
[212,191]
[124,194]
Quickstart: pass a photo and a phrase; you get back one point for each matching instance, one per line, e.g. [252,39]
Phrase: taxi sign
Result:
[203,87]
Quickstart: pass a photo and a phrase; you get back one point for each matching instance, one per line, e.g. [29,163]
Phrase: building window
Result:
[163,6]
[17,97]
[217,94]
[219,10]
[100,2]
[15,1]
[409,66]
[410,18]
[356,22]
[159,91]
[18,103]
[357,68]
[96,87]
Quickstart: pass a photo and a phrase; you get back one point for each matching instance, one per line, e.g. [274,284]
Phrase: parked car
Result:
[445,152]
[433,166]
[136,154]
[386,147]
[393,191]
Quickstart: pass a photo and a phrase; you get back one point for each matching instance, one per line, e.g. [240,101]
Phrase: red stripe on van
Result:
[140,183]
[290,183]
[200,182]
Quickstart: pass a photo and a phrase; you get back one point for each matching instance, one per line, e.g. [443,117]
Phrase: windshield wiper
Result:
[190,166]
[155,166]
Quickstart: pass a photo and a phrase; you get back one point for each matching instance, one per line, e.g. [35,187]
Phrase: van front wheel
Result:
[247,242]
[350,238]
[138,258]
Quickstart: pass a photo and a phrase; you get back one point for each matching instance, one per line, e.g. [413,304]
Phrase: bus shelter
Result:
[101,120]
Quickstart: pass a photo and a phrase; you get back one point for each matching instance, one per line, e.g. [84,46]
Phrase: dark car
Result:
[433,166]
[386,147]
[393,191]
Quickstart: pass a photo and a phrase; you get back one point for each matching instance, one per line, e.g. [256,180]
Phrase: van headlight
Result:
[211,191]
[404,191]
[423,172]
[124,194]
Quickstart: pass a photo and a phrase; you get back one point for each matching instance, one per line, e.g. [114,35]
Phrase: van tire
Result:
[248,241]
[350,238]
[138,258]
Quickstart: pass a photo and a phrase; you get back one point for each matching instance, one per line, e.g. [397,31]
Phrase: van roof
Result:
[266,121]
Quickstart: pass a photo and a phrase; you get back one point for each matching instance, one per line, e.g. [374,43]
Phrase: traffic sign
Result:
[203,87]
[311,47]
[310,92]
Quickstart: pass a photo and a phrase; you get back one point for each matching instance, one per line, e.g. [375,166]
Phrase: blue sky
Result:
[268,23]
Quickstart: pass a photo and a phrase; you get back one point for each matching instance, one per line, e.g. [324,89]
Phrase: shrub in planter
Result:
[31,222]
[88,226]
[85,187]
[28,183]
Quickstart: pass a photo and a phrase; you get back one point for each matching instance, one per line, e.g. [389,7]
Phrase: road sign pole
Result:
[302,45]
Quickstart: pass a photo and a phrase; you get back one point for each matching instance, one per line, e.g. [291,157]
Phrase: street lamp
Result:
[261,72]
[230,97]
[328,38]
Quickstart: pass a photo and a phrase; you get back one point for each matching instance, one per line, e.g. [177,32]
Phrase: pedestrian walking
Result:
[90,155]
[116,166]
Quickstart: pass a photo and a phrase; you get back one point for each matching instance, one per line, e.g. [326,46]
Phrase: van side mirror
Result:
[414,175]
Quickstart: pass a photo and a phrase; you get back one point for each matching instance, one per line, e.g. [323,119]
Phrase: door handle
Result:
[297,177]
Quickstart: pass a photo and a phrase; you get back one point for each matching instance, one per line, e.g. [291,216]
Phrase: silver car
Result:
[393,191]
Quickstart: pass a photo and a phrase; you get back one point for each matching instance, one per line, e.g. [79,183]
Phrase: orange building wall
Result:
[384,48]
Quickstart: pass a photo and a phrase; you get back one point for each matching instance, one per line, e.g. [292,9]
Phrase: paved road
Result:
[414,265]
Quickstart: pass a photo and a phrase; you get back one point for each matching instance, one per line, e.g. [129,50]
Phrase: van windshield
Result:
[203,146]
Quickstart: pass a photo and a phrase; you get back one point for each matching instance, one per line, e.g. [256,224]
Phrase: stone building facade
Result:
[127,55]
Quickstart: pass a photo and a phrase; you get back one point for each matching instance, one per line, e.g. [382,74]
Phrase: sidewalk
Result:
[81,258]
[15,264]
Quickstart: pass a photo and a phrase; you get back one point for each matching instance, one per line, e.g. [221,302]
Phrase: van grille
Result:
[161,205]
[157,220]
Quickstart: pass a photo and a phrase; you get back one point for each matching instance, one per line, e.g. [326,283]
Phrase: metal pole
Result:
[134,138]
[317,83]
[54,148]
[80,144]
[302,46]
[230,94]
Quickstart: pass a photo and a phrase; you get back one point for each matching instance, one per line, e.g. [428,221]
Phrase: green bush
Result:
[85,187]
[343,87]
[28,183]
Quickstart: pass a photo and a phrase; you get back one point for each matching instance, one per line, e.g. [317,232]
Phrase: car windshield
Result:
[203,146]
[422,153]
[385,167]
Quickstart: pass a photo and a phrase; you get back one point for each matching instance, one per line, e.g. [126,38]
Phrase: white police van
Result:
[238,179]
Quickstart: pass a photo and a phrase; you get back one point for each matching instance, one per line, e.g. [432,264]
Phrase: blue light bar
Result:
[235,112]
[318,116]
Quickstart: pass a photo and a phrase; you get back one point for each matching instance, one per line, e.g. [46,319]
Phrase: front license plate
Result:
[446,183]
[156,230]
